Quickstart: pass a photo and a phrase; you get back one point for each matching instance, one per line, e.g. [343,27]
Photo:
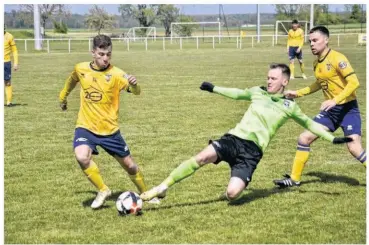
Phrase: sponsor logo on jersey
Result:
[81,139]
[342,65]
[93,94]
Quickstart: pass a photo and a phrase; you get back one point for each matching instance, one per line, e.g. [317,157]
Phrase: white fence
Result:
[163,43]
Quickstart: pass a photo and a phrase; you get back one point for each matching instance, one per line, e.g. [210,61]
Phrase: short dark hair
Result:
[295,22]
[102,41]
[284,68]
[322,29]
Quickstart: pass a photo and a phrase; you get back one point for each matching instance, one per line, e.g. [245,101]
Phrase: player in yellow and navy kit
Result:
[338,81]
[97,123]
[9,48]
[294,48]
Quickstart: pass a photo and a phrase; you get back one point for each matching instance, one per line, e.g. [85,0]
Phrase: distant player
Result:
[294,48]
[243,146]
[335,76]
[9,48]
[97,123]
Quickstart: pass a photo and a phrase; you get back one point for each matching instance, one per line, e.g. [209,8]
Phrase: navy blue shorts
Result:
[113,144]
[7,71]
[346,116]
[292,53]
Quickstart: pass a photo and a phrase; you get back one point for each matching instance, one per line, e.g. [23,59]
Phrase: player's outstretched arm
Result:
[315,86]
[317,128]
[70,84]
[233,93]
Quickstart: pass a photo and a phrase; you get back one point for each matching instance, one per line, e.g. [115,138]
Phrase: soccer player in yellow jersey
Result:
[294,45]
[97,123]
[9,48]
[336,77]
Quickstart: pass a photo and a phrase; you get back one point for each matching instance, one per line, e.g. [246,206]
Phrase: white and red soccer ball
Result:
[129,203]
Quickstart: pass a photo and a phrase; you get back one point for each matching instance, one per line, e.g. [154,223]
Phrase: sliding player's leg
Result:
[184,170]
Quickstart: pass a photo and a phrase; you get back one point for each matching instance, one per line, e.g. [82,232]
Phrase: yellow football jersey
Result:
[335,76]
[9,47]
[295,38]
[100,90]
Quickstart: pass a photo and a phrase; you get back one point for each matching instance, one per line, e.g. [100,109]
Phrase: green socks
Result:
[184,170]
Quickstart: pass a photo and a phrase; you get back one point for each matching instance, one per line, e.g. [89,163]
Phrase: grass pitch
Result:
[47,196]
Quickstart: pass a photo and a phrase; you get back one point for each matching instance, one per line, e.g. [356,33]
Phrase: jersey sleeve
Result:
[344,68]
[316,128]
[233,93]
[123,82]
[315,86]
[70,84]
[14,50]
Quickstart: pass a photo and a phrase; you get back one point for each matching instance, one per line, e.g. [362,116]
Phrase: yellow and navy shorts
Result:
[7,71]
[113,144]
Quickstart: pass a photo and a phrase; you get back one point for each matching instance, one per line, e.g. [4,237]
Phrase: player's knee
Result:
[306,138]
[233,194]
[7,83]
[208,155]
[83,158]
[355,146]
[201,158]
[204,158]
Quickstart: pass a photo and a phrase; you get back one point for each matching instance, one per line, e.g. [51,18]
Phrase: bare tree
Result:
[99,19]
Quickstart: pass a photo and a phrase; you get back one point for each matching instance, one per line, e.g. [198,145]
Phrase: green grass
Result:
[47,196]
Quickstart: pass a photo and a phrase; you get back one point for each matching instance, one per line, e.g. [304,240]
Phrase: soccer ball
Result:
[129,203]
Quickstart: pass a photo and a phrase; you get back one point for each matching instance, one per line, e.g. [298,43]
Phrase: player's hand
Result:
[63,106]
[327,105]
[342,140]
[298,50]
[207,86]
[290,94]
[15,67]
[132,80]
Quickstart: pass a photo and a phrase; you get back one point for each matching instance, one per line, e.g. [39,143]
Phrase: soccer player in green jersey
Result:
[243,146]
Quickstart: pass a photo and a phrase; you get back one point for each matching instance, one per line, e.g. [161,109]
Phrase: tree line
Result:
[59,17]
[353,13]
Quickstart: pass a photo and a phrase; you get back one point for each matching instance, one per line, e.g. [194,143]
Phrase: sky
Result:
[190,9]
